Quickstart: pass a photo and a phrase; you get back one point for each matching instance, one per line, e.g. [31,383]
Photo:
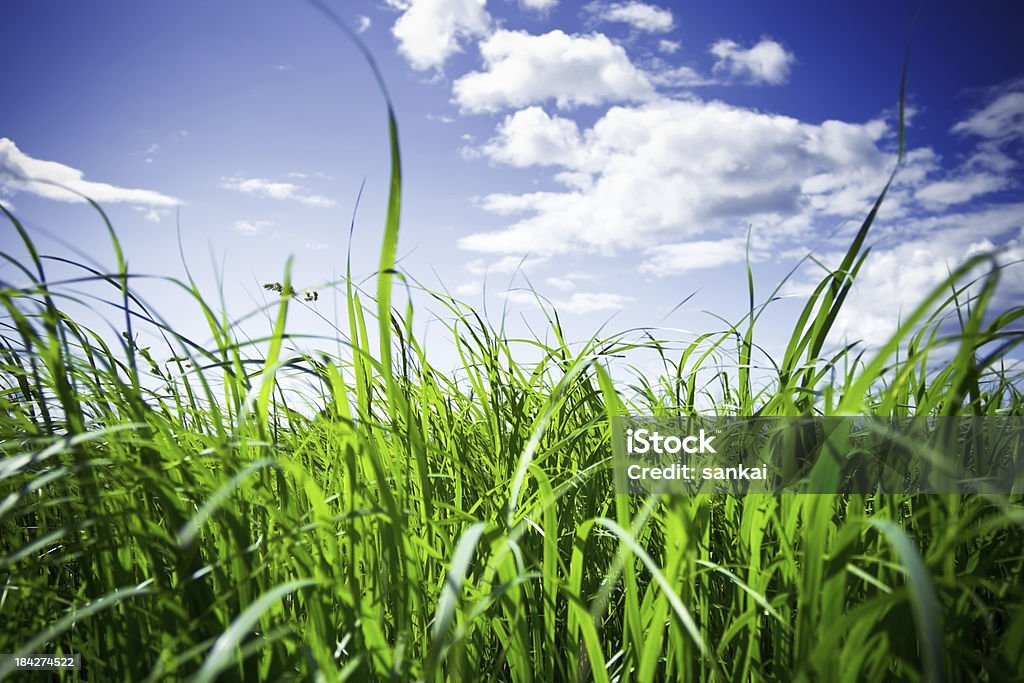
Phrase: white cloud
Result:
[579,303]
[22,173]
[999,124]
[538,5]
[990,156]
[504,265]
[571,70]
[767,62]
[522,297]
[363,23]
[251,228]
[674,170]
[918,256]
[669,47]
[561,283]
[261,187]
[151,215]
[468,289]
[680,77]
[530,137]
[431,31]
[640,15]
[943,193]
[592,302]
[1002,118]
[672,259]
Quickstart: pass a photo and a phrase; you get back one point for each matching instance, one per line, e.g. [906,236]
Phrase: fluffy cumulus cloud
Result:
[20,172]
[430,31]
[530,137]
[671,171]
[640,15]
[678,181]
[272,189]
[571,70]
[766,62]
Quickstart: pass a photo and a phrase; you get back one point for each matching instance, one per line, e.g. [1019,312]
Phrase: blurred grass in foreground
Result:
[193,519]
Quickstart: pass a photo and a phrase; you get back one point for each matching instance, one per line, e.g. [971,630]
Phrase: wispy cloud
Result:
[252,228]
[669,47]
[672,259]
[680,77]
[593,302]
[152,215]
[363,23]
[262,187]
[53,180]
[998,127]
[1001,118]
[943,193]
[539,5]
[579,303]
[468,288]
[504,265]
[561,283]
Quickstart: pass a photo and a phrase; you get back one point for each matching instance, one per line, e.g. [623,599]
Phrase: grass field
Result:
[196,518]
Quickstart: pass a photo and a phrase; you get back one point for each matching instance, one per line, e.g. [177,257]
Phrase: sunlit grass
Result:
[190,517]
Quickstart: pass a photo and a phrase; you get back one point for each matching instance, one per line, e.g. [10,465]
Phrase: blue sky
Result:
[615,152]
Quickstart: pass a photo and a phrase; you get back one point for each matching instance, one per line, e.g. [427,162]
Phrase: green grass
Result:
[193,518]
